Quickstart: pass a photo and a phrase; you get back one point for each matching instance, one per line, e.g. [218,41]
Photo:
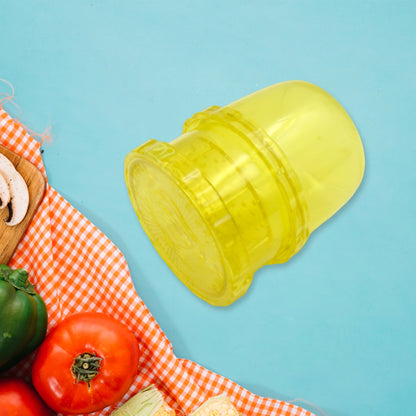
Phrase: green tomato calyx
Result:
[86,366]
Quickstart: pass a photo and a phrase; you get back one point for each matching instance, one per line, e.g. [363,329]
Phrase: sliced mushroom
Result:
[4,192]
[19,194]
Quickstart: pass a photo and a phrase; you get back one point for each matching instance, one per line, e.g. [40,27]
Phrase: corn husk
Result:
[147,402]
[217,406]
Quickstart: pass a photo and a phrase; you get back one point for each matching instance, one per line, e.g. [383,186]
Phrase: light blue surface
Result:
[335,325]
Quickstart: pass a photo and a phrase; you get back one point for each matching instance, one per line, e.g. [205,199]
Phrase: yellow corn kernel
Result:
[165,410]
[217,406]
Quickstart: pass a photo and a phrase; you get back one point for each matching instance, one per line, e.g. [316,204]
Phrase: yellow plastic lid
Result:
[163,188]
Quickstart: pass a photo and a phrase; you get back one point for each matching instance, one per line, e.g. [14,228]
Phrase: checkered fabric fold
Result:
[68,259]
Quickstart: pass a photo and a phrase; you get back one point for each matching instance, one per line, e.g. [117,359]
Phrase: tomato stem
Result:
[86,366]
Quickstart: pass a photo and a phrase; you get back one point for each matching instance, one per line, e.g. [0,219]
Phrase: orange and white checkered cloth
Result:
[69,261]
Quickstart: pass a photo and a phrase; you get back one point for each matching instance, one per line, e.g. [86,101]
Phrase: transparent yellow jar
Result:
[245,185]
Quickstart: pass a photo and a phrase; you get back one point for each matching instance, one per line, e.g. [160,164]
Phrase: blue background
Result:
[336,324]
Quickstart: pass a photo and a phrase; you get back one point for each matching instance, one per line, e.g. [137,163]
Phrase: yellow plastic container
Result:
[245,185]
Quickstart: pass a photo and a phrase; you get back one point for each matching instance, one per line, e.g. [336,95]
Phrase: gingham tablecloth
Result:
[69,259]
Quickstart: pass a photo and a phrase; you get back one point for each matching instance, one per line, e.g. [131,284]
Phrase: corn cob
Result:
[147,402]
[217,406]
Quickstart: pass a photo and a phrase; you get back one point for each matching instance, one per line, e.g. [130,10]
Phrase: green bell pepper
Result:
[23,317]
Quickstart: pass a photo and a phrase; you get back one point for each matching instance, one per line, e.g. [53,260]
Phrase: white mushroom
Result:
[19,194]
[4,192]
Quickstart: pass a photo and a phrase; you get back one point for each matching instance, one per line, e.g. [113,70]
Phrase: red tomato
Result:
[86,363]
[17,398]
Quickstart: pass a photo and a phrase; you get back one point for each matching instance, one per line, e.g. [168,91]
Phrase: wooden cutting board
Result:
[11,235]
